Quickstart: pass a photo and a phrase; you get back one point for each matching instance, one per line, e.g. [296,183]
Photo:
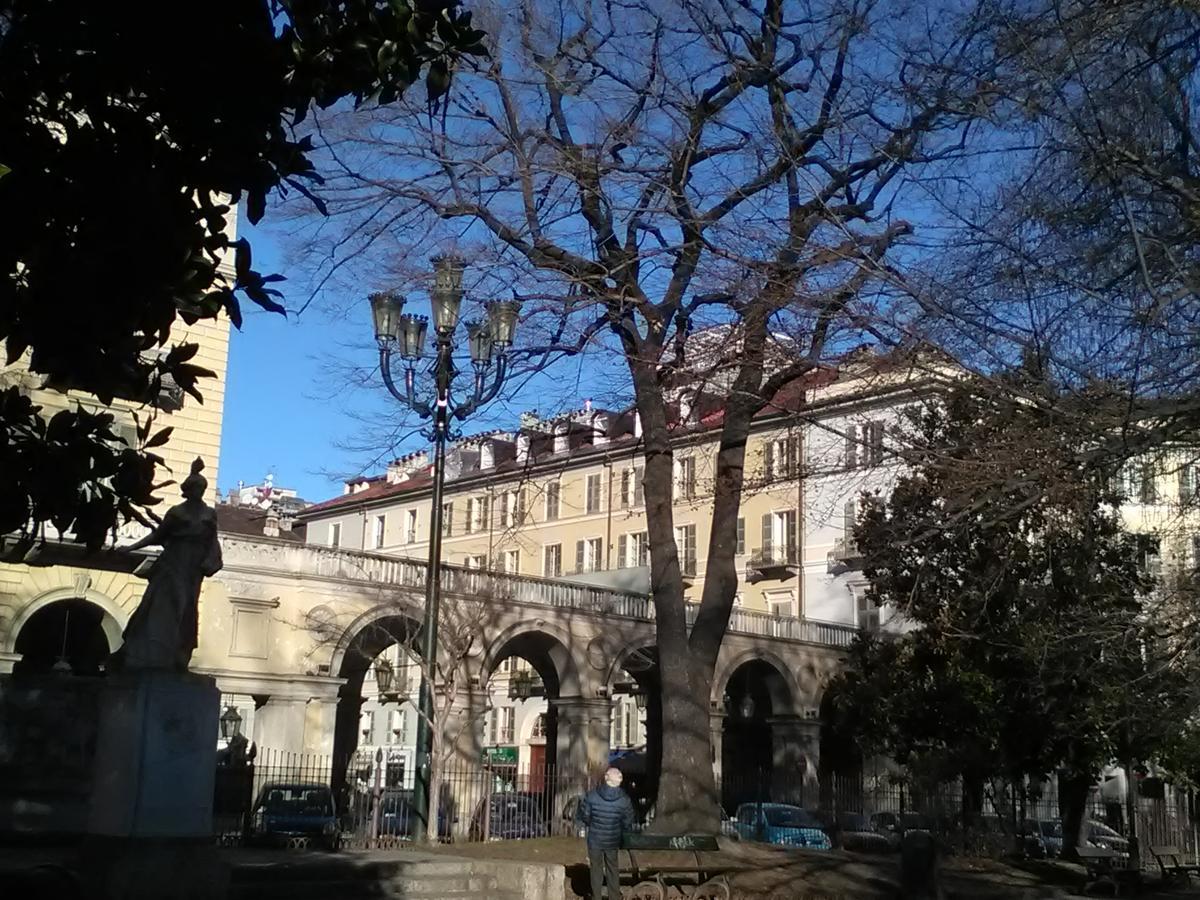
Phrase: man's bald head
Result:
[613,776]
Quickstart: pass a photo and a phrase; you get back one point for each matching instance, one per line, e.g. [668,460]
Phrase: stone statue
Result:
[161,633]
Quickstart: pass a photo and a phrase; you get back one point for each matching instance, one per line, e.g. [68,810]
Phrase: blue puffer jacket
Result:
[606,813]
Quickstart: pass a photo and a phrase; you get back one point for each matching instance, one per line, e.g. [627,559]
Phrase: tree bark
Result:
[1072,802]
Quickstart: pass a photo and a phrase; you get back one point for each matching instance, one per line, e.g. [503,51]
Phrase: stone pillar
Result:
[716,734]
[279,724]
[320,721]
[8,661]
[584,727]
[465,780]
[795,759]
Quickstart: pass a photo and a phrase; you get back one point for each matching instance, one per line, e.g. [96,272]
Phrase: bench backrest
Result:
[632,841]
[1170,855]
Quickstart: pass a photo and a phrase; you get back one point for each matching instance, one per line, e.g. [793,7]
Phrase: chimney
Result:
[395,471]
[271,525]
[686,407]
[562,437]
[637,425]
[285,522]
[487,454]
[523,440]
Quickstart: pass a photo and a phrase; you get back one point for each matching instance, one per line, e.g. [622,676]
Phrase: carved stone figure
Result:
[161,633]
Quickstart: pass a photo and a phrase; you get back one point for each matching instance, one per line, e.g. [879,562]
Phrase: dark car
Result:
[1100,835]
[296,814]
[853,831]
[397,819]
[900,823]
[508,816]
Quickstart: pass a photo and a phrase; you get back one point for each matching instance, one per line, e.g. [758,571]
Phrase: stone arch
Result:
[113,621]
[370,629]
[548,648]
[784,690]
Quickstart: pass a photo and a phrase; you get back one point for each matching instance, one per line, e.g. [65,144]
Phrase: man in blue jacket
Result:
[606,813]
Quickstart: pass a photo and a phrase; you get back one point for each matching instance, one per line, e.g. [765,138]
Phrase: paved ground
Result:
[763,872]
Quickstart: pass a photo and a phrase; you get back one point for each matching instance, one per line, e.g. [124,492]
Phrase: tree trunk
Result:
[1072,804]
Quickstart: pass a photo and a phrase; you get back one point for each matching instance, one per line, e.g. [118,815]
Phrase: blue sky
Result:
[290,410]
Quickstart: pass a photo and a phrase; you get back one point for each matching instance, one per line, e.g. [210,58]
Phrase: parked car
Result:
[997,834]
[509,815]
[396,816]
[853,831]
[1100,835]
[728,826]
[295,813]
[780,823]
[899,823]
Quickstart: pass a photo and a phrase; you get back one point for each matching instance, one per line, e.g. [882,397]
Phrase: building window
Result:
[592,503]
[868,612]
[380,529]
[410,527]
[500,725]
[864,445]
[447,519]
[1147,488]
[779,537]
[477,514]
[511,562]
[633,492]
[685,478]
[780,459]
[588,555]
[633,550]
[367,725]
[1196,551]
[476,561]
[740,549]
[782,604]
[552,560]
[512,508]
[685,545]
[335,534]
[553,489]
[398,721]
[1187,484]
[539,726]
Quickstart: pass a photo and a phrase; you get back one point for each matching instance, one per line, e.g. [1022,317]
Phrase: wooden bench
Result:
[1172,864]
[1101,867]
[678,857]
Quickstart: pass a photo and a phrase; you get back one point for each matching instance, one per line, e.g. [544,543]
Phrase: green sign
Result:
[500,756]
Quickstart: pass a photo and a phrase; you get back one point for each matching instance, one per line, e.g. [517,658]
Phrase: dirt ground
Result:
[760,872]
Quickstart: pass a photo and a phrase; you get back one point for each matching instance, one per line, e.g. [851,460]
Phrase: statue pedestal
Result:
[150,818]
[156,756]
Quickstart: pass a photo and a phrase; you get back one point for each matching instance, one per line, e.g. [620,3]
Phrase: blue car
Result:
[297,815]
[781,824]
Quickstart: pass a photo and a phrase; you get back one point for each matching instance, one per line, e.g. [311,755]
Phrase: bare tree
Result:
[642,171]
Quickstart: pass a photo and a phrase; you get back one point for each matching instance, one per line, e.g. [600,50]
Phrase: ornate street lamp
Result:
[231,724]
[405,335]
[385,676]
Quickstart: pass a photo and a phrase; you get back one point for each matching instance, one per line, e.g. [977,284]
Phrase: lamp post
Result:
[488,343]
[231,724]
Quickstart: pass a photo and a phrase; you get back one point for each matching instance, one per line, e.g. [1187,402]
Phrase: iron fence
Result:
[295,799]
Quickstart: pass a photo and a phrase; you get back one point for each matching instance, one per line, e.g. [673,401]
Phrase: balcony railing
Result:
[845,550]
[379,569]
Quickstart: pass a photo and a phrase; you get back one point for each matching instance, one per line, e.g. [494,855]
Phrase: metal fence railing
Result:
[295,799]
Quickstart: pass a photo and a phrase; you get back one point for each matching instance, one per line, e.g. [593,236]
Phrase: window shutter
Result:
[625,476]
[791,457]
[741,537]
[876,443]
[769,461]
[579,556]
[1186,485]
[766,537]
[622,551]
[850,459]
[790,535]
[639,487]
